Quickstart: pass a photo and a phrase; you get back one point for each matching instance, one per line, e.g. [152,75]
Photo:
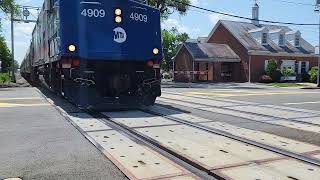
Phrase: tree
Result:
[273,71]
[168,7]
[313,74]
[172,39]
[5,55]
[9,5]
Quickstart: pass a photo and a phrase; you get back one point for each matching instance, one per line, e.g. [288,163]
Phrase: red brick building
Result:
[239,51]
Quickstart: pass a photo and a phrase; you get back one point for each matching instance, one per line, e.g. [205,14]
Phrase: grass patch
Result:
[285,85]
[4,78]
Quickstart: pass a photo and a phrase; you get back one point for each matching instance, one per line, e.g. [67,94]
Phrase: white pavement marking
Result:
[278,113]
[276,170]
[135,160]
[298,103]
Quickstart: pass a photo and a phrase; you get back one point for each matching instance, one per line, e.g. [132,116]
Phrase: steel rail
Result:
[193,167]
[252,113]
[184,162]
[313,112]
[238,138]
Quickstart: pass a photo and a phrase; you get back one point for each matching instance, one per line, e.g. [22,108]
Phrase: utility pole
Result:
[12,46]
[26,14]
[317,9]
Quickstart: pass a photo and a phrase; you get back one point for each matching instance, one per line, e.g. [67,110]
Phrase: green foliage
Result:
[288,72]
[5,55]
[171,43]
[273,71]
[168,7]
[313,74]
[4,78]
[8,6]
[271,67]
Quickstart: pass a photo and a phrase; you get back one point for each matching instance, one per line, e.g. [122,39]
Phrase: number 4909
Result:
[93,13]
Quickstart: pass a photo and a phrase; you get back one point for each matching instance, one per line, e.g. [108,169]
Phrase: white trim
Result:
[264,53]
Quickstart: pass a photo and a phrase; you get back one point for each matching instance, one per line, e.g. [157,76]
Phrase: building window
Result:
[264,38]
[226,70]
[297,41]
[281,40]
[303,67]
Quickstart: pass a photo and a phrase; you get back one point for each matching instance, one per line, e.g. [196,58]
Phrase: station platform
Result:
[38,143]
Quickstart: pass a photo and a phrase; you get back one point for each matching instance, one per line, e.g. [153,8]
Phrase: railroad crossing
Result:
[191,133]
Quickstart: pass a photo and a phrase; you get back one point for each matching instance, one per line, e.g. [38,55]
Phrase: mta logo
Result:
[120,35]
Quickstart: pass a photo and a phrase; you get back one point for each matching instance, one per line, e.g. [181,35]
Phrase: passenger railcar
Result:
[98,54]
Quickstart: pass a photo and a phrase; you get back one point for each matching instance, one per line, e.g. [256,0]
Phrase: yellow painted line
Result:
[24,98]
[6,105]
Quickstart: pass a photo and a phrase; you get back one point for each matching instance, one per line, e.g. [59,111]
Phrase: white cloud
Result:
[214,18]
[170,23]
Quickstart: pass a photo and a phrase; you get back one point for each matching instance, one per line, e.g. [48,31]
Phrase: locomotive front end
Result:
[110,53]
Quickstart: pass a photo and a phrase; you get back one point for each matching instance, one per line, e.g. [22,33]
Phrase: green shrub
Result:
[273,71]
[4,78]
[271,67]
[288,72]
[313,74]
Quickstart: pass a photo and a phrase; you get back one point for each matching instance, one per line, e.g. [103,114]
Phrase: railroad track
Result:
[229,108]
[218,166]
[201,170]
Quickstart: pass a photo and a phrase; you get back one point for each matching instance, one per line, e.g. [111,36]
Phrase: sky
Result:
[197,22]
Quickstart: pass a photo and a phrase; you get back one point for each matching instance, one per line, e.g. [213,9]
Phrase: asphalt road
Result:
[305,99]
[38,143]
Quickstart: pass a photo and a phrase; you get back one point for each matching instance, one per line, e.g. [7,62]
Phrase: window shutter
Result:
[266,64]
[307,66]
[299,69]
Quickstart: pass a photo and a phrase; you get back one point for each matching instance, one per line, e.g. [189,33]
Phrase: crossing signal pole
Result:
[26,19]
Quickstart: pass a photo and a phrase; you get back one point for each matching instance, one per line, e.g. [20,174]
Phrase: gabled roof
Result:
[240,30]
[211,52]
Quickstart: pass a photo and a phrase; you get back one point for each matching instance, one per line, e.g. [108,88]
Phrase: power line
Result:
[292,2]
[242,17]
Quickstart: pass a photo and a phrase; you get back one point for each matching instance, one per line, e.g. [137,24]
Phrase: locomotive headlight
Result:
[155,51]
[118,19]
[118,12]
[72,48]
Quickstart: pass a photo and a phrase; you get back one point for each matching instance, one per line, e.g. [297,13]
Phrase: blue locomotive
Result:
[99,54]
